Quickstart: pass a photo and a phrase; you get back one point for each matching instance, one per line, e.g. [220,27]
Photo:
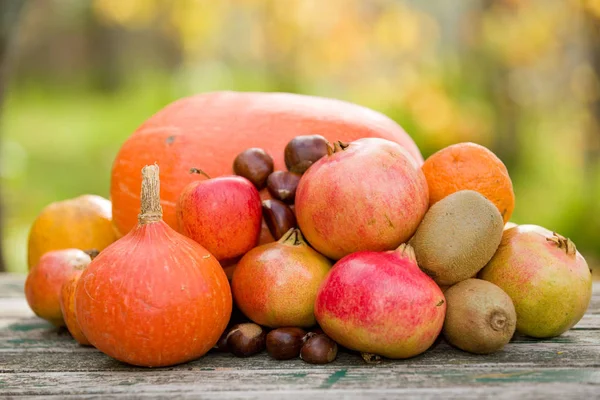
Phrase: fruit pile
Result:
[314,243]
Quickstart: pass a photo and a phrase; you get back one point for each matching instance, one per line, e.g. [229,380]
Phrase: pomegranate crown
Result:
[563,243]
[407,251]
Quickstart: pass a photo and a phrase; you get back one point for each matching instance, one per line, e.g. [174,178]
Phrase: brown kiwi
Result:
[480,317]
[457,237]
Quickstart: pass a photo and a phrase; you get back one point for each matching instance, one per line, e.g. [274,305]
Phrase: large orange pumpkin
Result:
[207,131]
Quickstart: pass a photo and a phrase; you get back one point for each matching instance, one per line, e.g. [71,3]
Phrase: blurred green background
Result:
[518,76]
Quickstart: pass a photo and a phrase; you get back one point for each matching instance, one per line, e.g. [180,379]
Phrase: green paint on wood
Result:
[299,375]
[26,327]
[541,376]
[333,378]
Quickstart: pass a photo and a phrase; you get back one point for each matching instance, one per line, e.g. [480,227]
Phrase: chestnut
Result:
[319,349]
[302,151]
[255,165]
[222,343]
[285,343]
[278,217]
[282,185]
[247,339]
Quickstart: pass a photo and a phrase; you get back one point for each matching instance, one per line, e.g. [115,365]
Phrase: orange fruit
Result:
[469,166]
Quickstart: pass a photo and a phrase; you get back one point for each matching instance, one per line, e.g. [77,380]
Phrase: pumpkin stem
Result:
[151,210]
[563,243]
[293,237]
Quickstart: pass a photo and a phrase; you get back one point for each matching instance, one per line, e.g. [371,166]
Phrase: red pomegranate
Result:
[381,303]
[366,195]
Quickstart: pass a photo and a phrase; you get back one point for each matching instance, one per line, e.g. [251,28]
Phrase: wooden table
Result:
[37,359]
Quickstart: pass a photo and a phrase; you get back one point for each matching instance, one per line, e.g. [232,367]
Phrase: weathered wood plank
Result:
[521,392]
[52,351]
[299,380]
[14,307]
[12,285]
[37,359]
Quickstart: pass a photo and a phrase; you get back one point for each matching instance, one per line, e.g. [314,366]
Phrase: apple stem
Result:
[563,243]
[151,211]
[199,172]
[293,237]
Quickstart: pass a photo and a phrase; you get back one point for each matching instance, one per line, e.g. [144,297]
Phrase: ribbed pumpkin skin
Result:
[67,307]
[208,130]
[153,298]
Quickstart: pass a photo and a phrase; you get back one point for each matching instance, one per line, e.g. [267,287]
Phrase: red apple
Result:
[44,282]
[222,214]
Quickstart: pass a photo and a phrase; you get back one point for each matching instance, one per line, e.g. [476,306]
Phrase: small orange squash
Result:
[67,302]
[209,130]
[154,297]
[82,223]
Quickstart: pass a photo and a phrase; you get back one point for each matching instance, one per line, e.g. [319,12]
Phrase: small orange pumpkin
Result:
[154,297]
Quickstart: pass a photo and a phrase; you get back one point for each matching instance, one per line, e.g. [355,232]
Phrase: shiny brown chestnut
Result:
[282,185]
[247,339]
[319,349]
[278,217]
[285,343]
[222,343]
[302,151]
[255,165]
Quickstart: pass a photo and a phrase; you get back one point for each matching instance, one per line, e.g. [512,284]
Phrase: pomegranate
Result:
[276,284]
[366,195]
[547,279]
[381,303]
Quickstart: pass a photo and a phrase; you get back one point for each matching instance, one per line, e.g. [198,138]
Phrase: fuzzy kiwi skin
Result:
[480,317]
[457,237]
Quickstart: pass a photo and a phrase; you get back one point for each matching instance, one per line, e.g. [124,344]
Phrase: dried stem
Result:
[151,211]
[407,250]
[371,358]
[293,237]
[563,243]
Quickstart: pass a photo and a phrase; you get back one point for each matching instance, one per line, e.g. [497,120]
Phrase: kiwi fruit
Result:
[480,317]
[457,237]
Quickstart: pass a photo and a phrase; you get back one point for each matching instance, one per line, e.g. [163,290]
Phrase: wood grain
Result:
[37,359]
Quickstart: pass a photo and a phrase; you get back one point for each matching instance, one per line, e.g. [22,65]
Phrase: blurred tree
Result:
[518,76]
[10,11]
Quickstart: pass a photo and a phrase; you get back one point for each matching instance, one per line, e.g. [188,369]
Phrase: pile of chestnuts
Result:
[247,339]
[256,165]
